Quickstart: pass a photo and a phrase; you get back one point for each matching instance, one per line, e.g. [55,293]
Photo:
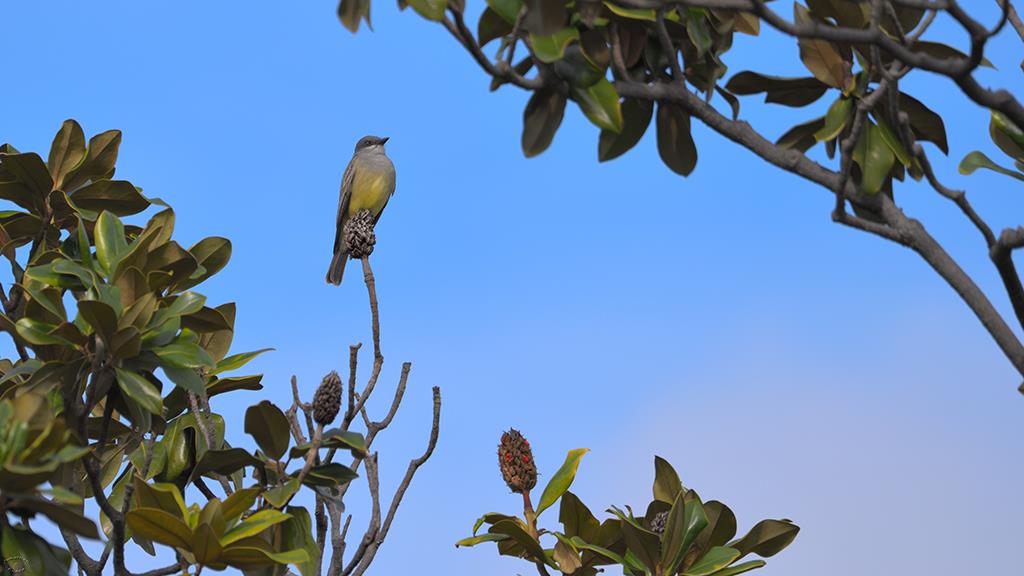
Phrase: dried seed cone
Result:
[327,399]
[658,522]
[516,461]
[358,234]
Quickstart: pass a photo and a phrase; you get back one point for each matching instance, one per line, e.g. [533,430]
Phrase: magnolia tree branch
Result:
[887,220]
[331,529]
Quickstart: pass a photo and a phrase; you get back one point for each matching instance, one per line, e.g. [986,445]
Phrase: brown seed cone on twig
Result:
[327,400]
[515,457]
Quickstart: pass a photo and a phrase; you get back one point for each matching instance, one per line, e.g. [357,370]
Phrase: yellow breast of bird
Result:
[370,191]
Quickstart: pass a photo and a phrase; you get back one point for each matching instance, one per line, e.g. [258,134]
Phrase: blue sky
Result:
[787,366]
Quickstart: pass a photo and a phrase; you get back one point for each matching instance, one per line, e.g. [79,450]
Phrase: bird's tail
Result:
[337,269]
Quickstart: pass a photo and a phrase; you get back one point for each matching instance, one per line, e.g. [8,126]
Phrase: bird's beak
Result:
[385,139]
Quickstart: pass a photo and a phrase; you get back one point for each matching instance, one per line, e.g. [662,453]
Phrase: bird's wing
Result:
[344,196]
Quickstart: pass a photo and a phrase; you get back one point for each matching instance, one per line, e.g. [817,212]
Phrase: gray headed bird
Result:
[368,184]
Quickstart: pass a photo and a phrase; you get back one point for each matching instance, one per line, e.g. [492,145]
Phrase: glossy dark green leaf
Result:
[514,529]
[159,526]
[845,13]
[667,485]
[239,502]
[269,427]
[561,480]
[944,52]
[698,32]
[429,9]
[836,118]
[600,103]
[236,361]
[187,379]
[100,158]
[636,116]
[474,540]
[223,462]
[63,516]
[222,385]
[183,354]
[741,568]
[577,519]
[332,474]
[721,526]
[541,119]
[549,48]
[30,170]
[544,17]
[712,561]
[297,533]
[140,390]
[675,143]
[66,151]
[1006,135]
[801,137]
[875,159]
[101,317]
[767,538]
[925,123]
[507,9]
[117,196]
[111,245]
[644,544]
[253,525]
[352,12]
[490,26]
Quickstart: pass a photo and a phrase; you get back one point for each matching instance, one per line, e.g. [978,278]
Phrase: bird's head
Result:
[371,144]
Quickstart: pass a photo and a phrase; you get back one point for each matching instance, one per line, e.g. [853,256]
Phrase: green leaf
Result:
[562,479]
[211,254]
[63,516]
[297,533]
[30,170]
[474,540]
[224,462]
[352,12]
[332,474]
[741,568]
[279,496]
[646,14]
[514,529]
[236,361]
[183,354]
[577,519]
[835,120]
[101,317]
[110,242]
[238,502]
[875,159]
[544,17]
[548,49]
[253,525]
[644,544]
[100,158]
[697,31]
[721,526]
[672,551]
[117,196]
[269,427]
[1006,135]
[667,485]
[801,137]
[490,26]
[712,561]
[140,390]
[767,538]
[159,526]
[600,103]
[205,546]
[636,116]
[187,379]
[251,553]
[541,119]
[675,143]
[39,333]
[507,9]
[694,520]
[892,141]
[977,159]
[66,151]
[924,122]
[944,52]
[429,9]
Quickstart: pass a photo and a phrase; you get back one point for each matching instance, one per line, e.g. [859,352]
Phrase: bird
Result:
[368,183]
